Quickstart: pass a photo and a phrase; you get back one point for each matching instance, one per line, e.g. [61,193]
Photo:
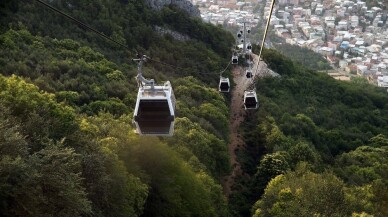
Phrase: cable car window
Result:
[154,108]
[250,102]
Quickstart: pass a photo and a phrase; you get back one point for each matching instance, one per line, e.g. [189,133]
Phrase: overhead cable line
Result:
[263,41]
[266,28]
[221,72]
[101,34]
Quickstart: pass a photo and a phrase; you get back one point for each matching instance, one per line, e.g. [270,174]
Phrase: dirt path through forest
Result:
[237,115]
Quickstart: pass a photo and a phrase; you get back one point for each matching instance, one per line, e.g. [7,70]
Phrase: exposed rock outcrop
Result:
[182,4]
[176,35]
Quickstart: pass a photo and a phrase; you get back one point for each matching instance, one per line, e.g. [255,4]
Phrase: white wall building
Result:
[382,81]
[354,21]
[342,25]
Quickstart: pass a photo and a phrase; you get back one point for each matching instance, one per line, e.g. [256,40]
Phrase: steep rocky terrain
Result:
[182,4]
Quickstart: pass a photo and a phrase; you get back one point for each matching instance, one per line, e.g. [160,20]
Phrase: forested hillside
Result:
[316,146]
[304,56]
[68,147]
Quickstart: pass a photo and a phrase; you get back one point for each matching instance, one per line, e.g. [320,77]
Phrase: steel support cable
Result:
[252,86]
[221,72]
[101,34]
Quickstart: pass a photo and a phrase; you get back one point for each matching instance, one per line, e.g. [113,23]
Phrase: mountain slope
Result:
[297,142]
[67,98]
[68,148]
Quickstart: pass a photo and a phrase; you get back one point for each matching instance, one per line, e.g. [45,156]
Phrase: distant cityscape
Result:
[351,35]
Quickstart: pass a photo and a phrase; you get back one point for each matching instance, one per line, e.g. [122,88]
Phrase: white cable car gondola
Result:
[224,85]
[234,59]
[248,73]
[155,107]
[249,47]
[250,100]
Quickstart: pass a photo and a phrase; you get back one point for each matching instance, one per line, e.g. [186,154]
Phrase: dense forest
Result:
[315,147]
[68,147]
[303,56]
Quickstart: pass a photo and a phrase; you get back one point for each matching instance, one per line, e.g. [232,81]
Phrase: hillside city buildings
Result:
[350,34]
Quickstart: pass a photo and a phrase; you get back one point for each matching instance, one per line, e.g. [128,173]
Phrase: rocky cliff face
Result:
[176,35]
[182,4]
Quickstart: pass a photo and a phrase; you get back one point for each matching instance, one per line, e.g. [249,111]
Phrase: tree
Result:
[211,151]
[303,193]
[360,199]
[380,199]
[359,81]
[274,137]
[36,110]
[302,152]
[378,141]
[12,141]
[175,189]
[45,183]
[269,167]
[363,165]
[112,178]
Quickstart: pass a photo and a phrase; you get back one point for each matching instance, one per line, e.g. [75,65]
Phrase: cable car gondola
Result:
[154,113]
[248,73]
[249,47]
[234,59]
[250,100]
[224,85]
[155,110]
